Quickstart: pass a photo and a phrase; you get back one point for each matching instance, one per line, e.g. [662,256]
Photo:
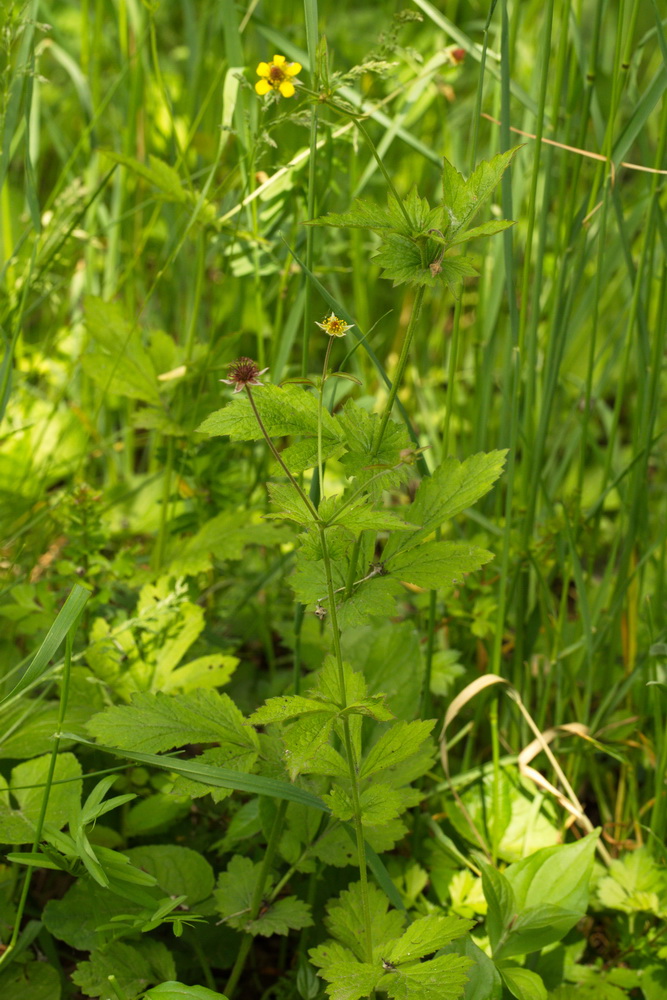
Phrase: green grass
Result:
[556,351]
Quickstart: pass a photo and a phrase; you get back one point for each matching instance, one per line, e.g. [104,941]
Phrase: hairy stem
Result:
[400,370]
[349,750]
[258,895]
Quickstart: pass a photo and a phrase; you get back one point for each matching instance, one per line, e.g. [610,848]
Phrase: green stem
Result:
[400,370]
[320,403]
[349,751]
[257,897]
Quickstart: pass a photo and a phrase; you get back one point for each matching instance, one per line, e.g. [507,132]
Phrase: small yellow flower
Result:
[276,75]
[334,327]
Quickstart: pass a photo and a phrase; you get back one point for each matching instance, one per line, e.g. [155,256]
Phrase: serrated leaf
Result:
[32,981]
[234,894]
[283,916]
[292,505]
[434,565]
[396,745]
[453,487]
[304,742]
[119,363]
[288,707]
[442,978]
[486,229]
[363,517]
[374,708]
[284,412]
[425,936]
[132,970]
[351,980]
[158,722]
[345,919]
[462,199]
[362,215]
[375,598]
[380,804]
[328,688]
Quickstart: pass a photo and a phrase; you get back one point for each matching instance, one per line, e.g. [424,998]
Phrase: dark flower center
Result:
[276,74]
[243,370]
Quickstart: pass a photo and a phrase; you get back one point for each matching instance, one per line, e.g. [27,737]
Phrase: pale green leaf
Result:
[287,707]
[486,229]
[375,598]
[285,915]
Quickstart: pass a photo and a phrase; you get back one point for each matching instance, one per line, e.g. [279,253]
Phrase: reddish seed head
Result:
[243,372]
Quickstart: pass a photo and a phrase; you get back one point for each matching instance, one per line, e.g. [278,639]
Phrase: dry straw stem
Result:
[541,742]
[581,152]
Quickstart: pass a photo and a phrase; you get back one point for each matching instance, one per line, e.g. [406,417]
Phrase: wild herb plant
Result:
[249,804]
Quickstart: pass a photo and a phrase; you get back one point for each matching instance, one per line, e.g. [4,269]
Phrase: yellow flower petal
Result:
[293,68]
[278,60]
[262,87]
[287,89]
[263,69]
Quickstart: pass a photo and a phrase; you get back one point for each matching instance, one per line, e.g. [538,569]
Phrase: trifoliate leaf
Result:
[425,936]
[453,487]
[234,894]
[434,565]
[396,745]
[153,723]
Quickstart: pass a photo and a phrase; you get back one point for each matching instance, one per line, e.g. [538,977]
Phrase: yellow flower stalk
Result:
[277,75]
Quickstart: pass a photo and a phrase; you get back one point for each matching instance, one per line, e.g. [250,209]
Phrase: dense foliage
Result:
[333,496]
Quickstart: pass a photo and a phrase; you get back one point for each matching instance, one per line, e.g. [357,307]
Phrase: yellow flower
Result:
[276,75]
[334,327]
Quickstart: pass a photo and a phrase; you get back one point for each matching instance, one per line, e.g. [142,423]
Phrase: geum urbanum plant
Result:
[337,743]
[338,732]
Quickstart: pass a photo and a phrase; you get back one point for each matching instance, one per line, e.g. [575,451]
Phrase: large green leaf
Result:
[435,565]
